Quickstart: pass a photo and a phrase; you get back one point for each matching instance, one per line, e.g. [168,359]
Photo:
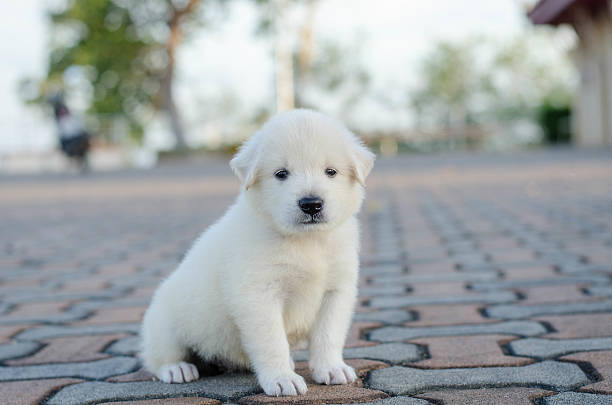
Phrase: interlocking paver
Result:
[519,328]
[68,350]
[601,362]
[548,348]
[403,380]
[95,370]
[222,387]
[168,401]
[524,311]
[390,316]
[437,315]
[31,392]
[396,401]
[487,298]
[48,332]
[468,351]
[17,349]
[458,265]
[396,353]
[575,398]
[487,396]
[508,284]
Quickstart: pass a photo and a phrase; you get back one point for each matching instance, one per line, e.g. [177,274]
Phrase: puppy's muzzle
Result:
[311,205]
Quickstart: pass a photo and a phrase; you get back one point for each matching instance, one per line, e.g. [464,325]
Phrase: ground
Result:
[485,279]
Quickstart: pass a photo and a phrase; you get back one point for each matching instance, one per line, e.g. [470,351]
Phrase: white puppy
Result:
[279,268]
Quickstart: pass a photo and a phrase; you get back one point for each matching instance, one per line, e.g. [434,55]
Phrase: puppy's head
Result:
[303,171]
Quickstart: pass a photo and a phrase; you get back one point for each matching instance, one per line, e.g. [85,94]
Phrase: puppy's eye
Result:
[330,172]
[281,174]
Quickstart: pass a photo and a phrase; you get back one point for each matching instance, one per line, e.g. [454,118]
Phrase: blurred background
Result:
[147,80]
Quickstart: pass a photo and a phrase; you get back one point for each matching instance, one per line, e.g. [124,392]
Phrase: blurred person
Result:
[73,138]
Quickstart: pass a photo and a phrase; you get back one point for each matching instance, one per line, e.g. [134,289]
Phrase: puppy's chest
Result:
[307,274]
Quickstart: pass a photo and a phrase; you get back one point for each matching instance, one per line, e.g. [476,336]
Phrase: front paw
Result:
[178,373]
[288,383]
[340,373]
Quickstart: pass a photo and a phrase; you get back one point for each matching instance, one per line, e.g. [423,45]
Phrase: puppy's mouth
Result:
[311,219]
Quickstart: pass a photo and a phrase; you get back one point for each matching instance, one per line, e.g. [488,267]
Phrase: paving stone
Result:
[382,269]
[602,362]
[403,380]
[17,349]
[390,352]
[139,375]
[583,268]
[560,280]
[65,296]
[95,370]
[432,278]
[37,309]
[220,387]
[575,398]
[396,353]
[600,291]
[369,291]
[578,326]
[526,273]
[8,331]
[517,311]
[436,315]
[69,350]
[434,290]
[554,294]
[128,346]
[394,401]
[48,332]
[468,351]
[318,394]
[548,348]
[487,396]
[60,317]
[168,401]
[31,392]
[515,328]
[489,298]
[390,316]
[356,331]
[114,316]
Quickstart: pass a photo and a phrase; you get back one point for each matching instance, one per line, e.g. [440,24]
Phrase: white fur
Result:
[258,282]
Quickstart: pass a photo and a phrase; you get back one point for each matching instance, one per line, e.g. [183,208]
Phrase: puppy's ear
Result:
[244,163]
[363,161]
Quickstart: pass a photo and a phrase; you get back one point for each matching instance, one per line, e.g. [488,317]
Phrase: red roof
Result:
[558,11]
[550,11]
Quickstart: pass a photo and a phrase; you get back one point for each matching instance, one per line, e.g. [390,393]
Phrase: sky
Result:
[392,36]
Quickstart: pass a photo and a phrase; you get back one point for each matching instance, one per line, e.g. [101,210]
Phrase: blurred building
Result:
[592,20]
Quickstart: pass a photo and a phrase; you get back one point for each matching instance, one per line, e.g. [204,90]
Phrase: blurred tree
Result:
[126,52]
[481,82]
[450,81]
[305,75]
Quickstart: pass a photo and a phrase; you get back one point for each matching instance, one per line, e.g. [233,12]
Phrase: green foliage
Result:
[479,82]
[119,56]
[555,122]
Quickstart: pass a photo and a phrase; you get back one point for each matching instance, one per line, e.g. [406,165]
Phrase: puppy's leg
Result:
[259,319]
[162,353]
[328,336]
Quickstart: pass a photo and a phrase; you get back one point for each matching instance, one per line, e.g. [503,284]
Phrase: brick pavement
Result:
[485,280]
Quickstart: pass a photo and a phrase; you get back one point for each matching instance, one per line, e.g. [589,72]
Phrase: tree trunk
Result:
[305,52]
[283,58]
[168,102]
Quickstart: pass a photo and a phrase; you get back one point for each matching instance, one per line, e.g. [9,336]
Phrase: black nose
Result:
[311,205]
